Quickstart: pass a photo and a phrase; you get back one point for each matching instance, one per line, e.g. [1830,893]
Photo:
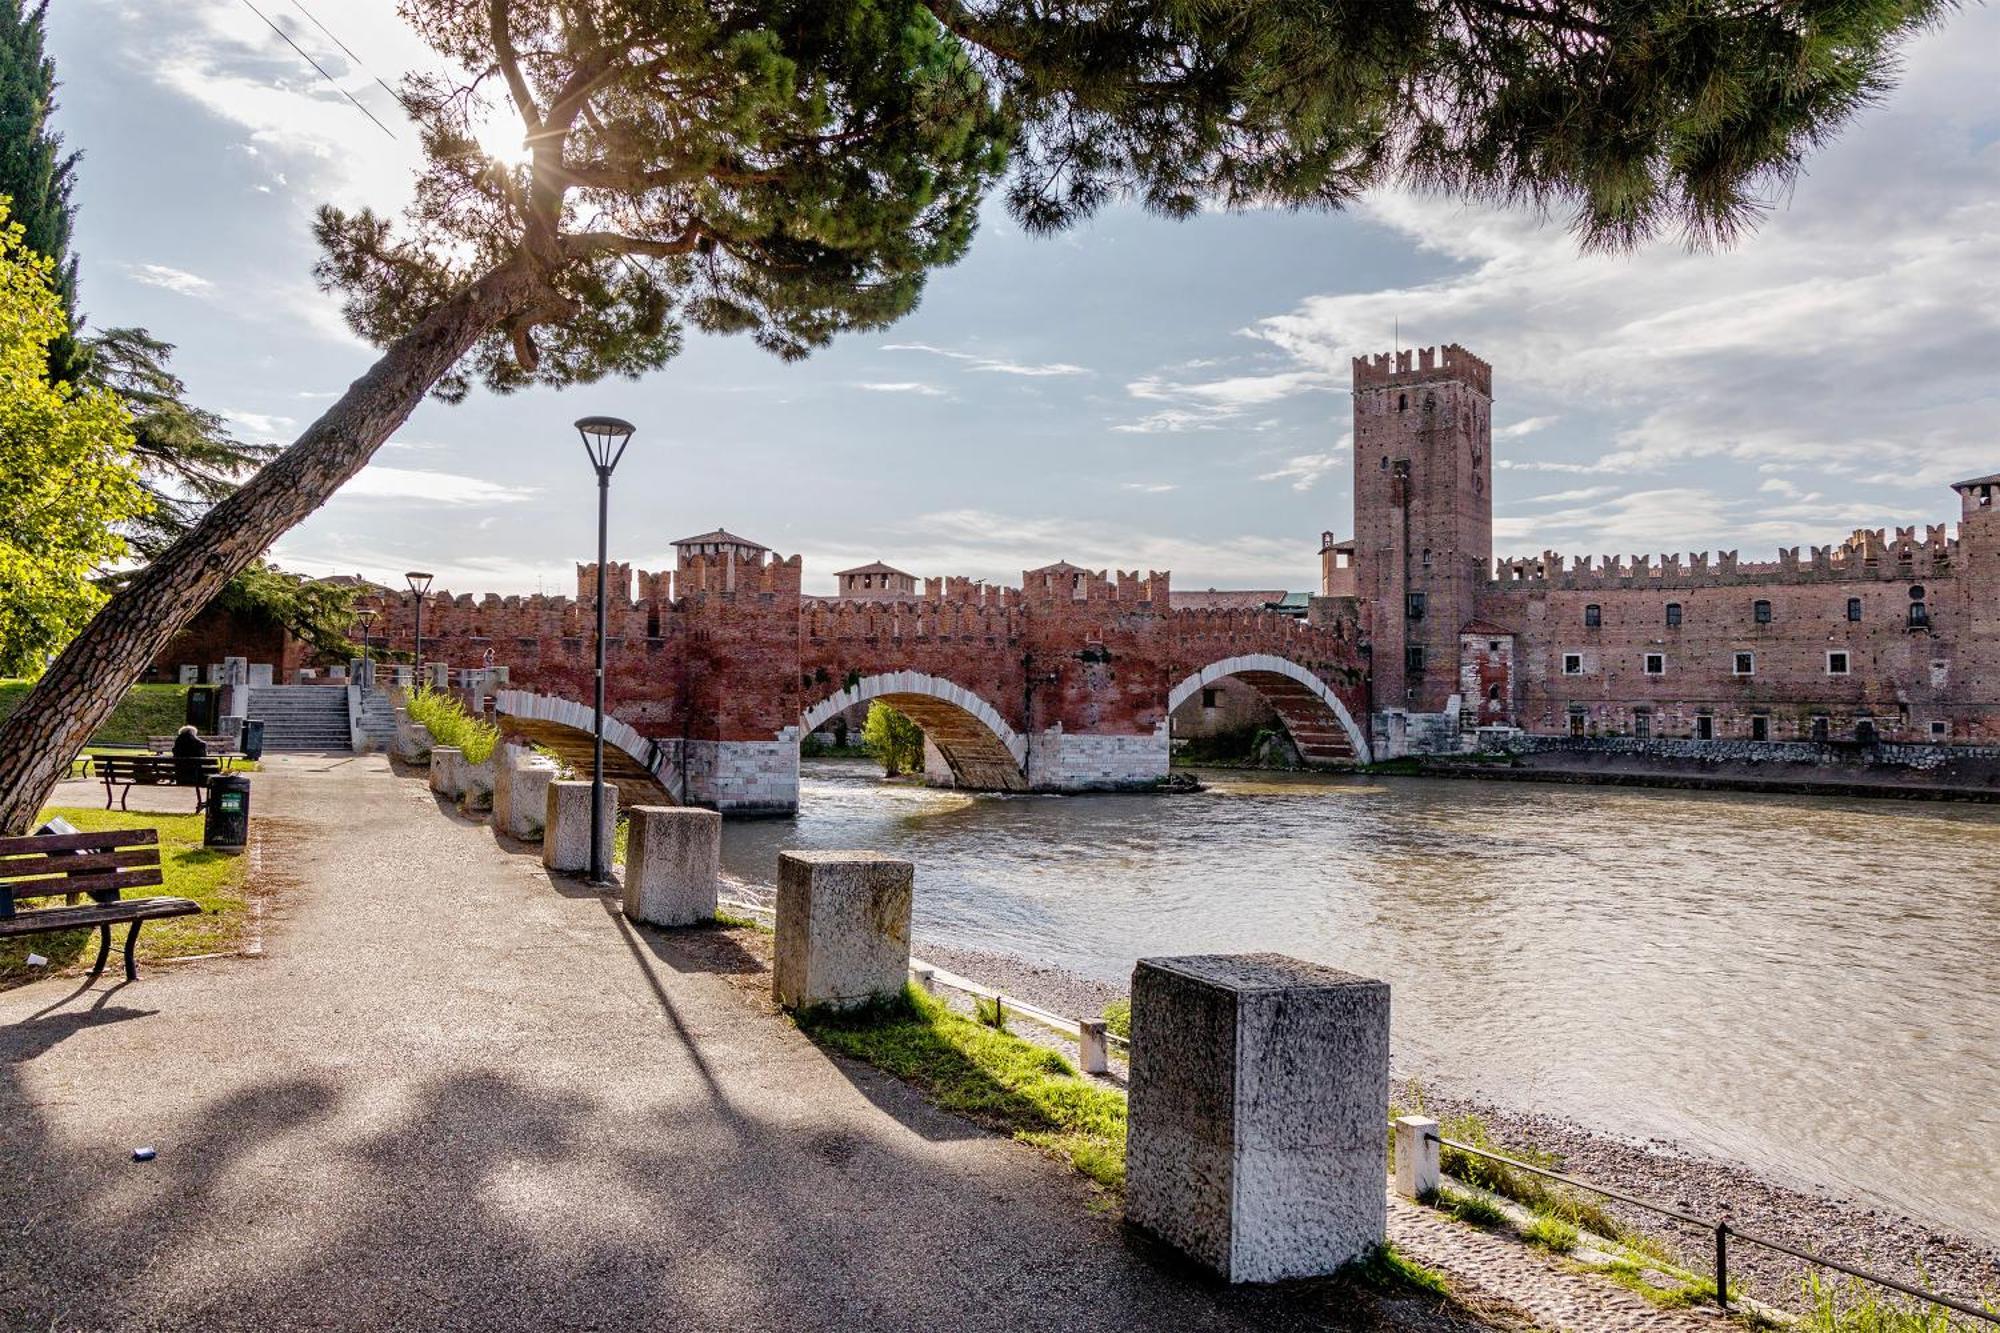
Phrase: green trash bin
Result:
[228,824]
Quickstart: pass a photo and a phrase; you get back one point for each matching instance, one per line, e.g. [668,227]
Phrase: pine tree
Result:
[35,174]
[792,169]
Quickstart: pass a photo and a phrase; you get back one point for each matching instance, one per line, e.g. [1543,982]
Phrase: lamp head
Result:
[420,582]
[366,615]
[604,439]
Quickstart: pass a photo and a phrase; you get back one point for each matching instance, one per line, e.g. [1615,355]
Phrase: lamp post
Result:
[366,615]
[604,440]
[420,587]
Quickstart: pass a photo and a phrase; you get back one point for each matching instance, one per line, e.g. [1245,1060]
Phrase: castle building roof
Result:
[1060,567]
[1485,627]
[1993,480]
[873,567]
[721,537]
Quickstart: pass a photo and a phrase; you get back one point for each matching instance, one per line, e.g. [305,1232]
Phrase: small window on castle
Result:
[1572,664]
[1854,608]
[1577,718]
[1836,664]
[1916,592]
[1413,605]
[1673,615]
[1746,664]
[1413,657]
[1704,727]
[1493,645]
[1761,611]
[1920,616]
[1822,725]
[1593,616]
[1208,698]
[1656,664]
[1402,402]
[1493,694]
[1385,462]
[1760,727]
[1940,730]
[1642,724]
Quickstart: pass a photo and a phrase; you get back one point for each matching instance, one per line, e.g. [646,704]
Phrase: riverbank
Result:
[1710,775]
[1850,1230]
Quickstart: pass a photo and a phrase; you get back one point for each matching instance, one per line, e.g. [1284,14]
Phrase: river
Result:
[1810,986]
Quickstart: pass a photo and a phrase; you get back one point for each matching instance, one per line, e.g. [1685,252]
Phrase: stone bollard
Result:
[843,928]
[673,860]
[446,761]
[566,825]
[1416,1156]
[475,783]
[521,781]
[925,977]
[1090,1046]
[1257,1096]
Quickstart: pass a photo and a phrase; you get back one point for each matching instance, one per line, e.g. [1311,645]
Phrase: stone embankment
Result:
[1874,1238]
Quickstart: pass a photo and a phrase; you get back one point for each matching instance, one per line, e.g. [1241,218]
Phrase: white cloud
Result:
[1150,487]
[1525,428]
[169,279]
[901,386]
[1215,404]
[1305,471]
[443,489]
[260,425]
[992,364]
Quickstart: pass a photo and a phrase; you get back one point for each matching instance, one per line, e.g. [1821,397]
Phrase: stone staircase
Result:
[301,717]
[378,719]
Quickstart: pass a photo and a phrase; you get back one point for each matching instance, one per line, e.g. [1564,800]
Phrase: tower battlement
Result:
[1421,364]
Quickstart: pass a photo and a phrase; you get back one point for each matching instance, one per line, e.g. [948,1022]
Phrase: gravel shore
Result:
[1845,1229]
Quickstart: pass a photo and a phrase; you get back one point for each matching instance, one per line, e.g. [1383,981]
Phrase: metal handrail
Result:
[1723,1232]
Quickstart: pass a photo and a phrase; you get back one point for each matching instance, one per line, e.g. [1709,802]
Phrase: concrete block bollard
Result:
[566,825]
[673,862]
[1091,1052]
[446,762]
[521,781]
[925,977]
[843,928]
[1257,1096]
[475,783]
[1416,1156]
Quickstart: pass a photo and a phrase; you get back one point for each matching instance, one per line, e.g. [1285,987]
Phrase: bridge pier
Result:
[1063,761]
[738,778]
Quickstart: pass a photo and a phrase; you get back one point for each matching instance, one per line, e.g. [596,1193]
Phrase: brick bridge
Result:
[715,671]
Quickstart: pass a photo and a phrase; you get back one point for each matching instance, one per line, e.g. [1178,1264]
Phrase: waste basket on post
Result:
[228,822]
[251,742]
[204,708]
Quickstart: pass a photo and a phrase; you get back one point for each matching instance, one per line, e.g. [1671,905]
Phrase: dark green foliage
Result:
[187,458]
[894,739]
[34,171]
[317,612]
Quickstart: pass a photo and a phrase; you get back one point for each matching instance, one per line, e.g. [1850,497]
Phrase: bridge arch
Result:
[642,771]
[985,752]
[1306,703]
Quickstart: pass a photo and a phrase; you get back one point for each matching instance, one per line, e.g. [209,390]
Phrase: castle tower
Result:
[1423,514]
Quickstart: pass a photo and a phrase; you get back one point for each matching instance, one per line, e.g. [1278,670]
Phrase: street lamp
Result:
[366,615]
[420,587]
[604,440]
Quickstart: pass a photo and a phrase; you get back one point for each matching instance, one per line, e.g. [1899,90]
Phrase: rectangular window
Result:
[1836,664]
[1760,727]
[1761,611]
[1413,605]
[1854,608]
[1413,657]
[1822,725]
[1673,615]
[1704,727]
[1572,664]
[1593,616]
[1656,664]
[1746,664]
[1577,718]
[1940,730]
[1642,724]
[1920,616]
[1208,698]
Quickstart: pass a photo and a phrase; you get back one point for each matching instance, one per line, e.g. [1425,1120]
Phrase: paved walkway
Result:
[456,1093]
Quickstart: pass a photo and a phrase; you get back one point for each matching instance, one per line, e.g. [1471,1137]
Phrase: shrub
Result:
[450,725]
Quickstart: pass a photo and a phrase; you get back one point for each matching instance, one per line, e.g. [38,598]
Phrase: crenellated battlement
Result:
[1867,554]
[1421,364]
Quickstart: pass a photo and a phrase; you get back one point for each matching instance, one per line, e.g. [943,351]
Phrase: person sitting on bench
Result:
[189,751]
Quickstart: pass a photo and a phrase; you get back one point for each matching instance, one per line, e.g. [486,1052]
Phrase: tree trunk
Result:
[86,682]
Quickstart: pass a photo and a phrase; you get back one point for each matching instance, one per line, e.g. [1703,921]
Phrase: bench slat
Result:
[37,844]
[64,863]
[61,884]
[95,914]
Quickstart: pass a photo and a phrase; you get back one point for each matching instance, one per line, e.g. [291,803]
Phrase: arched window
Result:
[1760,610]
[1593,616]
[1673,615]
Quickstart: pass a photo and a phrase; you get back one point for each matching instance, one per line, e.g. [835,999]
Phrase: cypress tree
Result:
[34,171]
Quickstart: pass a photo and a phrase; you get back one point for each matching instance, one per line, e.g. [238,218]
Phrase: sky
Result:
[1134,394]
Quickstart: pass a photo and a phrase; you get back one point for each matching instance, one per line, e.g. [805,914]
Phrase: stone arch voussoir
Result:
[1269,667]
[546,717]
[991,754]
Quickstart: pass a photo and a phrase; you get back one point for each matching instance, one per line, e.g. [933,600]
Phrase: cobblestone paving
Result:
[1554,1296]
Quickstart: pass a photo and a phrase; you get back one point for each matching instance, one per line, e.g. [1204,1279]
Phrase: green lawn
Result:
[213,879]
[146,710]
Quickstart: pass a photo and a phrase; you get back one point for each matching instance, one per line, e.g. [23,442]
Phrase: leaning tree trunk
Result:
[86,682]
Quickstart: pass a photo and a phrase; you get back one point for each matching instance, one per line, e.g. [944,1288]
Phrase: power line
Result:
[359,62]
[321,68]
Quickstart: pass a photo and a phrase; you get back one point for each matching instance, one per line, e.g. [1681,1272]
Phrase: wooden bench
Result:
[101,865]
[154,770]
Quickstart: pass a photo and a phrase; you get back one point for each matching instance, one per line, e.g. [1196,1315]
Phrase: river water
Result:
[1810,986]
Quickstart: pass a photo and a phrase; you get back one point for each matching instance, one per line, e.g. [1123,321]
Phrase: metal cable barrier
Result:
[1724,1233]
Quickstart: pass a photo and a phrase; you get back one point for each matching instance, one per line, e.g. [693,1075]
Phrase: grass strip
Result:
[986,1075]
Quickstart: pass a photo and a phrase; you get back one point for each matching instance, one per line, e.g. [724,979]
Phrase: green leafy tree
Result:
[67,480]
[34,171]
[317,612]
[894,739]
[791,169]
